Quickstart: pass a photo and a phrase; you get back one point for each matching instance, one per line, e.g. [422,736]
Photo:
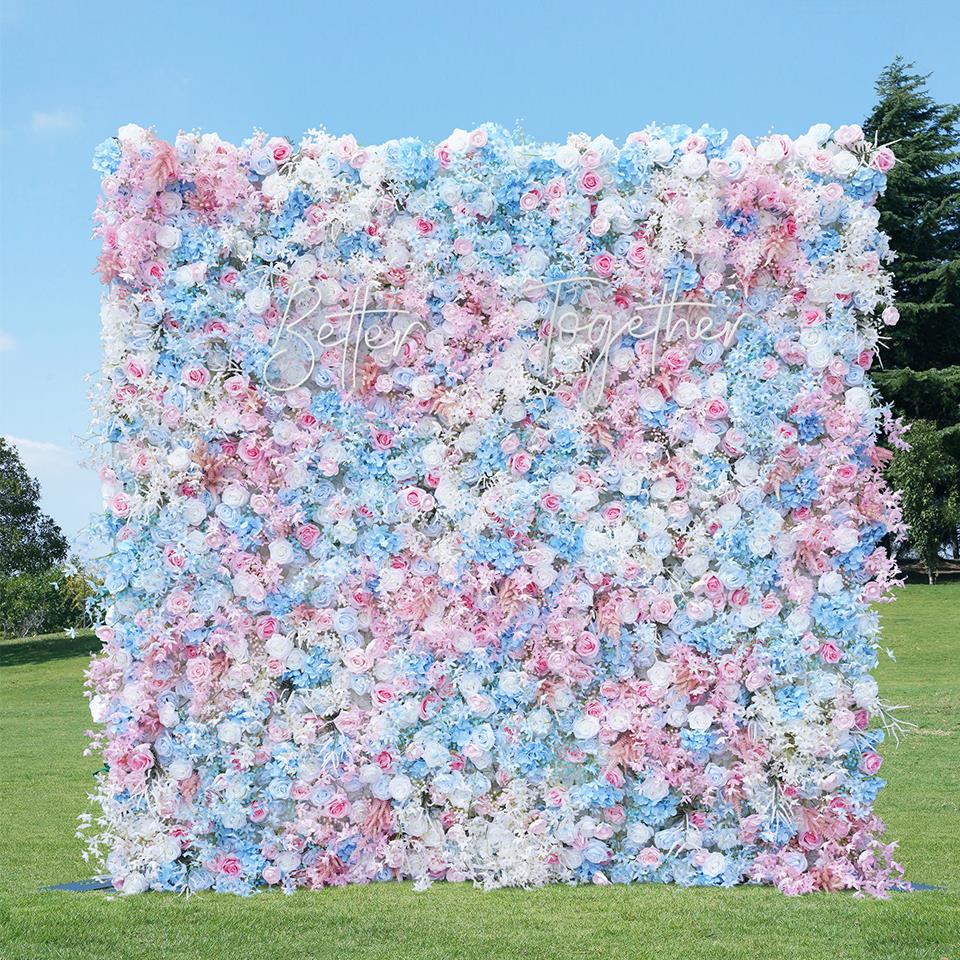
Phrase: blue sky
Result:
[72,73]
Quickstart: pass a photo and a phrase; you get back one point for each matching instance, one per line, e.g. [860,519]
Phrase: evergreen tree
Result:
[920,211]
[30,541]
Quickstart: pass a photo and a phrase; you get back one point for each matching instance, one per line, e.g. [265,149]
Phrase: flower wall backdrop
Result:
[492,511]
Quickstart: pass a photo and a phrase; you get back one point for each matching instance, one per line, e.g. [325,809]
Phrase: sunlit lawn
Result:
[44,776]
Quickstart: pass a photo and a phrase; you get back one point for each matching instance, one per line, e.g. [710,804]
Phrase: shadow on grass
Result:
[15,653]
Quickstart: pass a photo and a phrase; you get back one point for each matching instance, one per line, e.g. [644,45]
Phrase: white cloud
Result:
[52,121]
[40,455]
[7,342]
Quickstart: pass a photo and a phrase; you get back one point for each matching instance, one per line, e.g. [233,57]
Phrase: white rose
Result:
[819,357]
[563,484]
[693,165]
[229,731]
[133,883]
[664,489]
[180,769]
[567,157]
[586,727]
[179,458]
[830,583]
[194,511]
[279,646]
[170,203]
[700,718]
[168,237]
[536,261]
[618,720]
[856,398]
[639,833]
[705,443]
[594,541]
[422,387]
[257,300]
[99,708]
[167,714]
[544,576]
[751,615]
[770,151]
[686,393]
[433,454]
[655,788]
[660,150]
[650,399]
[234,496]
[660,674]
[275,187]
[843,164]
[401,786]
[845,538]
[714,865]
[131,133]
[281,551]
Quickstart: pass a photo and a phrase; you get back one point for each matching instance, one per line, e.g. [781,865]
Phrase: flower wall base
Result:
[492,511]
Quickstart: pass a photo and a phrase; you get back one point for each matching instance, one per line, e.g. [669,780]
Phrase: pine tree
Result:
[30,541]
[920,211]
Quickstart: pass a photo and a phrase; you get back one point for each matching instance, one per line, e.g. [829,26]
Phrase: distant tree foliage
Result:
[30,541]
[928,484]
[920,211]
[923,394]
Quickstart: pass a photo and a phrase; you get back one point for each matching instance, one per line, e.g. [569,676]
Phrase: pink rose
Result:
[412,498]
[551,502]
[848,134]
[307,535]
[662,609]
[716,409]
[587,646]
[357,661]
[249,450]
[141,759]
[521,462]
[280,149]
[870,763]
[179,602]
[603,264]
[135,369]
[230,866]
[650,857]
[589,181]
[195,376]
[809,840]
[829,652]
[613,512]
[530,200]
[199,670]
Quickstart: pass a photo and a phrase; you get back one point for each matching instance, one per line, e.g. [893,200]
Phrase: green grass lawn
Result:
[44,776]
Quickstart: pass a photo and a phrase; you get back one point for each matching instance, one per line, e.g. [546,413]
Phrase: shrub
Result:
[43,602]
